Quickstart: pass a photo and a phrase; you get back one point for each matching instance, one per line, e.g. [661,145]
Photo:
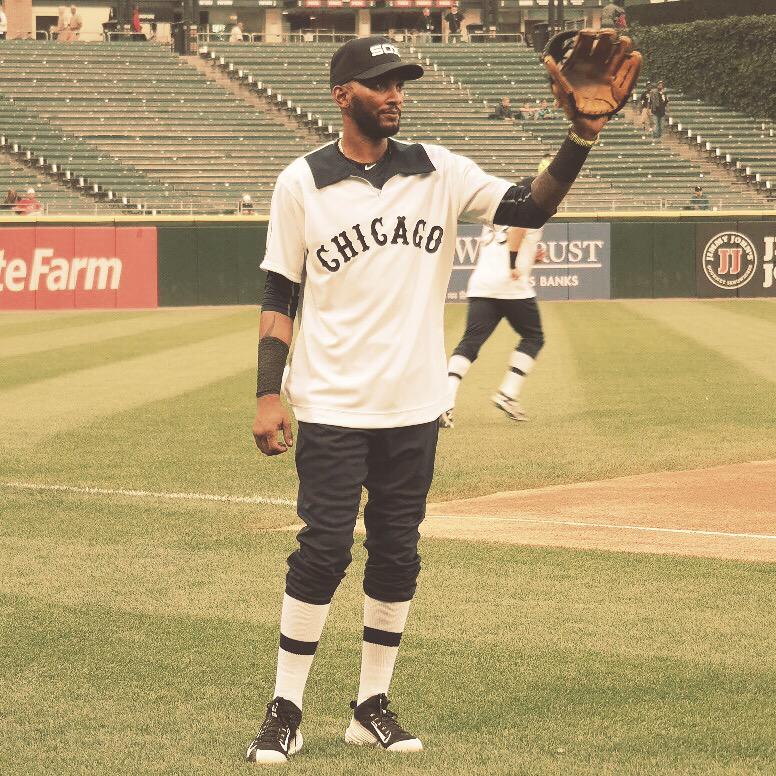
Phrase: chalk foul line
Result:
[151,494]
[616,526]
[290,503]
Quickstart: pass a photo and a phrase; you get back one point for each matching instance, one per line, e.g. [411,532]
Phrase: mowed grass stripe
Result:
[98,331]
[29,413]
[17,323]
[755,308]
[147,641]
[199,442]
[657,398]
[728,330]
[146,341]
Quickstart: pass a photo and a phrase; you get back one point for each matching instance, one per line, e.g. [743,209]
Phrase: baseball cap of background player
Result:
[363,58]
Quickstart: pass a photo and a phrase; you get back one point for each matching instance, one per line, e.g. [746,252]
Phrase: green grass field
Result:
[138,633]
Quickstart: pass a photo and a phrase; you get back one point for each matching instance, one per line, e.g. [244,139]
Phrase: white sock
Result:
[520,364]
[383,627]
[457,368]
[301,626]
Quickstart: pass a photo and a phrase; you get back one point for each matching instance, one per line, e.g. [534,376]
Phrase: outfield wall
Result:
[60,262]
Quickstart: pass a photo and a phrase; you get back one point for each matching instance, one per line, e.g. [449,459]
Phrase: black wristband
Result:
[272,356]
[568,161]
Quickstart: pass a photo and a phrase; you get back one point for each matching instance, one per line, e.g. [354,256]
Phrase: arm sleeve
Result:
[476,194]
[281,295]
[286,249]
[516,208]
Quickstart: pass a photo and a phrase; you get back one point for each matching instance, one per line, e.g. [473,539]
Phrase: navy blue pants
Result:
[396,466]
[484,314]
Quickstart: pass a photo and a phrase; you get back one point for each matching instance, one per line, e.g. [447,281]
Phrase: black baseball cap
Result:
[363,58]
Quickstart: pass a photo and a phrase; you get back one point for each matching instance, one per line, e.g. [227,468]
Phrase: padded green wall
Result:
[210,263]
[673,259]
[632,259]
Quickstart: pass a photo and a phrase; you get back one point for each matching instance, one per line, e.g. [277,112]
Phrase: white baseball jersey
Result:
[376,264]
[492,276]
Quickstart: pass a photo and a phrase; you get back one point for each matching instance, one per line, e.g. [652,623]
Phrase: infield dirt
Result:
[722,512]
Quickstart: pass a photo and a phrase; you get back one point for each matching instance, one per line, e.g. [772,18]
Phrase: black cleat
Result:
[374,725]
[279,736]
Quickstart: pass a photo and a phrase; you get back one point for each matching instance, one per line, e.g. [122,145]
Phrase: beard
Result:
[369,124]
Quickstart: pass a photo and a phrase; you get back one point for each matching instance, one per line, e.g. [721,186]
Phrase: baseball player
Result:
[368,226]
[500,287]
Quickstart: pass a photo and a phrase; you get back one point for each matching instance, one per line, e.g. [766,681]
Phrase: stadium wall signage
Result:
[736,259]
[215,261]
[47,268]
[577,266]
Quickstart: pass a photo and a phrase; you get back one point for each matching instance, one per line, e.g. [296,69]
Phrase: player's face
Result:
[376,105]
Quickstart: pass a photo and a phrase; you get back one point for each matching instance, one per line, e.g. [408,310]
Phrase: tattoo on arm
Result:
[272,324]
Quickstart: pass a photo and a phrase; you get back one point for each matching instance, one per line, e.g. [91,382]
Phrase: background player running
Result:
[500,287]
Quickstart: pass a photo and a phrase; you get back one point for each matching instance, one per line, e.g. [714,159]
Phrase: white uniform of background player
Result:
[500,287]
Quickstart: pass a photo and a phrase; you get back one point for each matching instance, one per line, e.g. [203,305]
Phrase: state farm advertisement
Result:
[52,268]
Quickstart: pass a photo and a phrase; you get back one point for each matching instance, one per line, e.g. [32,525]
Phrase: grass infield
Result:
[139,635]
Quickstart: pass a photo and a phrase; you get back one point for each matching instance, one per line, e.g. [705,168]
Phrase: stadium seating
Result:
[644,171]
[134,121]
[143,122]
[746,145]
[53,197]
[463,83]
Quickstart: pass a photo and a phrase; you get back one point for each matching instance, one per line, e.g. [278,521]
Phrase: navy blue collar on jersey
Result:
[329,166]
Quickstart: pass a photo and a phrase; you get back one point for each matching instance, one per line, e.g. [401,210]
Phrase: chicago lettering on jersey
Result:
[360,238]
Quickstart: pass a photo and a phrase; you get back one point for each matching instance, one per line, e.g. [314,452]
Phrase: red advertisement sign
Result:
[48,268]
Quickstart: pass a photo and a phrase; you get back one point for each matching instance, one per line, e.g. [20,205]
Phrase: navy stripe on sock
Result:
[517,371]
[454,374]
[382,637]
[298,647]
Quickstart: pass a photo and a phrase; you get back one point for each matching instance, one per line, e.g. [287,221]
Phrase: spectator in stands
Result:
[646,110]
[63,24]
[659,106]
[11,198]
[613,15]
[427,26]
[454,19]
[136,26]
[245,207]
[544,163]
[28,205]
[236,35]
[3,23]
[75,24]
[699,200]
[526,112]
[545,112]
[503,110]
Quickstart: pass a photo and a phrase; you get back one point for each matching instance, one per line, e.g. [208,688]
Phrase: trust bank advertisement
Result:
[576,265]
[51,268]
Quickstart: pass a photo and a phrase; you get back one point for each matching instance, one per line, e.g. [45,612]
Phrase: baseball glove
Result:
[592,72]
